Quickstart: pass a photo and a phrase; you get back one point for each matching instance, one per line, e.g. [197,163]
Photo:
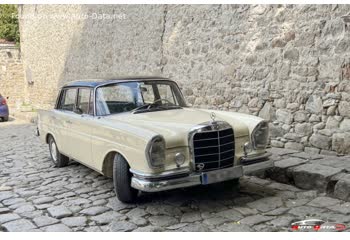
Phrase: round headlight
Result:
[179,159]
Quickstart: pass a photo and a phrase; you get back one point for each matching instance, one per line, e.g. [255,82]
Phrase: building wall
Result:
[288,64]
[11,75]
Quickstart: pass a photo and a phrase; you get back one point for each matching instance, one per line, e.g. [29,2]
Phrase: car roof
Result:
[98,82]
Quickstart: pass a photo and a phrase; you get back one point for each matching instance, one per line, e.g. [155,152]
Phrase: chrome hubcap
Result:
[53,151]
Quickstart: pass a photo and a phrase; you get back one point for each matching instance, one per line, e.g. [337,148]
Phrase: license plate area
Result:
[221,175]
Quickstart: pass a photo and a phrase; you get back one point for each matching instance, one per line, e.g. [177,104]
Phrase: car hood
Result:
[174,125]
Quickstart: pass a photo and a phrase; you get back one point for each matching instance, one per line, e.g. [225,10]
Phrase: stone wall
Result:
[11,75]
[289,64]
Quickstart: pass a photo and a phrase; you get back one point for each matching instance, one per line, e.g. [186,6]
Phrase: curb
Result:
[325,174]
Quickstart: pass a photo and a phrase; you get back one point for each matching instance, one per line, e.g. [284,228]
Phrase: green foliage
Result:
[9,29]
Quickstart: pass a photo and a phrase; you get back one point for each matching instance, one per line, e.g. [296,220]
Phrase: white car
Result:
[140,132]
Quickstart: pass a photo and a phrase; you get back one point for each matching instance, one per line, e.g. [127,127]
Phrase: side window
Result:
[115,99]
[84,100]
[68,101]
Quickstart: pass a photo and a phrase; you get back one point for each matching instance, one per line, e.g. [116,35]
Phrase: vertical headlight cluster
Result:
[156,152]
[260,135]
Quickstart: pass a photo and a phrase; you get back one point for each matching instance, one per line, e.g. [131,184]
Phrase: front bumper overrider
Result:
[183,177]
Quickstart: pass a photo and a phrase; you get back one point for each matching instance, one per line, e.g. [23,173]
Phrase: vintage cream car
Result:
[140,132]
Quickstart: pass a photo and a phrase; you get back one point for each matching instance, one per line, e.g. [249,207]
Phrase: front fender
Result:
[122,138]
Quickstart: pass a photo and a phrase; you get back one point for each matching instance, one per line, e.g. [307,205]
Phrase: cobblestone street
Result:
[35,196]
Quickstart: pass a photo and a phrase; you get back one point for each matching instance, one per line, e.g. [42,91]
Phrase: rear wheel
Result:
[5,119]
[122,180]
[57,158]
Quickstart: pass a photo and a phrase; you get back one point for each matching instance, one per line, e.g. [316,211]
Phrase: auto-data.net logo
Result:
[316,225]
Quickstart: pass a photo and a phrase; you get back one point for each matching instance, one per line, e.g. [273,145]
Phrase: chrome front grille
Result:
[213,148]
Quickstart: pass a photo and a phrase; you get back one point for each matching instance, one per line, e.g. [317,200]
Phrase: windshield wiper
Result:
[142,106]
[150,105]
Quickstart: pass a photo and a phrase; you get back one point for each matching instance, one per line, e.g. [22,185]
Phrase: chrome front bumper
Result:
[253,164]
[185,178]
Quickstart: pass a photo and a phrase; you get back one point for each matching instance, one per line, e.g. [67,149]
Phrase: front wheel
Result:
[5,119]
[122,180]
[57,158]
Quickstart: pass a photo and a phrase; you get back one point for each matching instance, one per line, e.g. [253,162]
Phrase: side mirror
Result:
[78,111]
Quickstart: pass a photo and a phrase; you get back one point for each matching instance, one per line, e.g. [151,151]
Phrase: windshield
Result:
[142,96]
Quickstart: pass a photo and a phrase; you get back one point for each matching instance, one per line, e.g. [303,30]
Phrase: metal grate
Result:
[213,149]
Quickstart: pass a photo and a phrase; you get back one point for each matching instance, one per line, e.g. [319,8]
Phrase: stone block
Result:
[341,143]
[276,130]
[256,219]
[93,211]
[313,176]
[342,188]
[59,212]
[280,172]
[44,221]
[320,141]
[294,145]
[57,228]
[303,129]
[292,136]
[284,116]
[314,104]
[332,122]
[276,143]
[344,109]
[266,204]
[345,125]
[314,118]
[323,202]
[292,54]
[312,150]
[300,116]
[21,225]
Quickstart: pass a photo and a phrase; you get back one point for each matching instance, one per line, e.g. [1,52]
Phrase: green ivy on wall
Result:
[9,29]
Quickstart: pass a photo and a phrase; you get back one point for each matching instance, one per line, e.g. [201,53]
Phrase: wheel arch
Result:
[47,137]
[107,166]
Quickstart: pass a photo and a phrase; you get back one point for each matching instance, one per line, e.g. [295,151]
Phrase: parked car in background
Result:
[4,110]
[140,132]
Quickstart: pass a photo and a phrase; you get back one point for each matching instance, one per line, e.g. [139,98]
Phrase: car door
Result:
[60,119]
[80,127]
